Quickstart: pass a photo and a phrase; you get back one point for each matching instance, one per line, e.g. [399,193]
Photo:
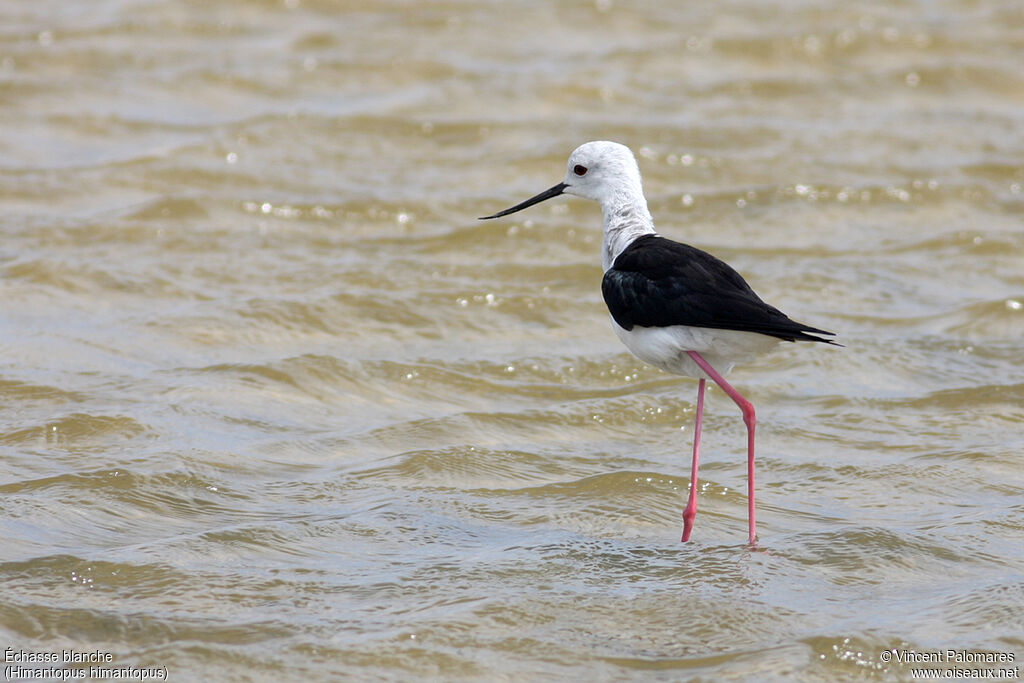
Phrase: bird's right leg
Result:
[691,505]
[747,408]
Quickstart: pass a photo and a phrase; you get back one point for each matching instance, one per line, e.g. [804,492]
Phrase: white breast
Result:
[666,347]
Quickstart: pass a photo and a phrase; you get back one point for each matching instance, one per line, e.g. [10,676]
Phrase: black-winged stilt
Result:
[673,305]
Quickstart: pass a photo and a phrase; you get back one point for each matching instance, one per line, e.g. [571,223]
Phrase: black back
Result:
[656,282]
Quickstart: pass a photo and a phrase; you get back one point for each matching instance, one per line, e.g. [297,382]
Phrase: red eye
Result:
[579,170]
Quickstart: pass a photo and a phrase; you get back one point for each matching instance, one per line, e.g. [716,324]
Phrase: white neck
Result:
[626,217]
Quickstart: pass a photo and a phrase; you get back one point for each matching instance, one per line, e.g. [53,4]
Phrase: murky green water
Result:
[274,405]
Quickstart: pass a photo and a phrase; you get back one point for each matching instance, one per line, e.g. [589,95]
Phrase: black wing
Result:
[656,282]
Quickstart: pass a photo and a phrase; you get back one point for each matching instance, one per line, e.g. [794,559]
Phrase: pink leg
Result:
[749,419]
[691,505]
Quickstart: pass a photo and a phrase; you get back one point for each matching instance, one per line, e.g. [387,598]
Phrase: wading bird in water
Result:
[674,306]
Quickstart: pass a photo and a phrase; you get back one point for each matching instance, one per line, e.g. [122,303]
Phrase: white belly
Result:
[666,347]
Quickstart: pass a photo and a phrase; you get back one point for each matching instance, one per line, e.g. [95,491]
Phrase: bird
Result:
[673,305]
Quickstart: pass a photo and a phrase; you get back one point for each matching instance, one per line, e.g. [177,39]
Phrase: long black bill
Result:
[546,194]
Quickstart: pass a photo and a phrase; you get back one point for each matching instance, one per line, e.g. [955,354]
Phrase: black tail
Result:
[808,333]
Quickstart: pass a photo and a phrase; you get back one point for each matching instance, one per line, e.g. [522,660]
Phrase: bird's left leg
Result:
[749,419]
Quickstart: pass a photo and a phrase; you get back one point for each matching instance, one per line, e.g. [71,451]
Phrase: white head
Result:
[607,173]
[603,171]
